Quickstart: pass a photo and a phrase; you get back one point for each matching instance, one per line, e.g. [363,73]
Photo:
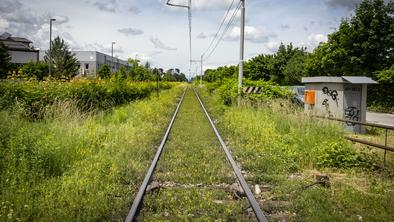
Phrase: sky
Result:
[152,31]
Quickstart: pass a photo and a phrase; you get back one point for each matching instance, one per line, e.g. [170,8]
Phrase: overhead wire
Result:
[230,22]
[220,27]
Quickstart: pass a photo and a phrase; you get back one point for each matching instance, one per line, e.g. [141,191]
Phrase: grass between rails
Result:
[72,166]
[193,156]
[280,148]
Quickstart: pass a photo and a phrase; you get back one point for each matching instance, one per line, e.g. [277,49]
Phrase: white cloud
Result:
[4,24]
[159,44]
[104,48]
[252,34]
[272,46]
[134,10]
[317,38]
[212,4]
[109,6]
[202,4]
[21,21]
[202,36]
[131,31]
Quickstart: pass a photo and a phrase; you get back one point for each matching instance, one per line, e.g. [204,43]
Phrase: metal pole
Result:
[241,53]
[50,46]
[202,72]
[157,82]
[189,11]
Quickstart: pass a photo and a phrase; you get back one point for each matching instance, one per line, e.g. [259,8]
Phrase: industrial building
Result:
[20,49]
[90,62]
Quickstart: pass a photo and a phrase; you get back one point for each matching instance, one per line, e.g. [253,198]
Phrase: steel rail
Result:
[140,195]
[252,200]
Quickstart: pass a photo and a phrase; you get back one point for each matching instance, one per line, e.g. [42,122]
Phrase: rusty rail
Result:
[370,143]
[357,122]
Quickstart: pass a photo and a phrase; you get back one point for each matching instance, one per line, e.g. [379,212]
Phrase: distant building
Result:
[90,62]
[20,49]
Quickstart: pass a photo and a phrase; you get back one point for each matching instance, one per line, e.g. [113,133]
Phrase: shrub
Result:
[341,155]
[228,90]
[34,97]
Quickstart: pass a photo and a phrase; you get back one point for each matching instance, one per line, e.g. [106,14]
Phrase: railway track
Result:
[136,206]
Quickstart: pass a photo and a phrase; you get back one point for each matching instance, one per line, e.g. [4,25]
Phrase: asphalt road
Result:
[380,118]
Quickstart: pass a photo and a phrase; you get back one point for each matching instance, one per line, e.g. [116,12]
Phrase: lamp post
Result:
[112,55]
[50,45]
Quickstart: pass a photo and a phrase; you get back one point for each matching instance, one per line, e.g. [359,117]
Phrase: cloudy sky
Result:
[155,32]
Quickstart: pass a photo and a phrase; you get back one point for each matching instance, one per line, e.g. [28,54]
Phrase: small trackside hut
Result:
[338,97]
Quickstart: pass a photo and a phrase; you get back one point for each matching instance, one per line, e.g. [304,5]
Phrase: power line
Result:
[220,27]
[230,22]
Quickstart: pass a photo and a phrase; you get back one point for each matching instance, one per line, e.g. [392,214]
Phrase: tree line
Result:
[363,45]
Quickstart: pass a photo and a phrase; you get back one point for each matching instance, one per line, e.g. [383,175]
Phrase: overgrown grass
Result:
[193,157]
[279,147]
[74,166]
[88,95]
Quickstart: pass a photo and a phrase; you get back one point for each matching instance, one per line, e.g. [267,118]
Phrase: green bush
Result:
[228,90]
[34,97]
[341,155]
[35,70]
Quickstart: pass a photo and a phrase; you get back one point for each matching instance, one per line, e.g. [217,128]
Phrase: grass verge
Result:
[73,166]
[281,151]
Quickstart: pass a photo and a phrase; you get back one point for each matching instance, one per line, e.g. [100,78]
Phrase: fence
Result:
[385,147]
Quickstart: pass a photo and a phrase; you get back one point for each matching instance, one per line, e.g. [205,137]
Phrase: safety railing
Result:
[385,147]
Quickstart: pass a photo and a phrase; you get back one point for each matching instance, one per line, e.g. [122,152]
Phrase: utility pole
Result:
[50,46]
[202,72]
[241,53]
[112,56]
[189,13]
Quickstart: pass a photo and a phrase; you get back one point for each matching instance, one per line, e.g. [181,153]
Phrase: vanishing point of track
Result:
[134,210]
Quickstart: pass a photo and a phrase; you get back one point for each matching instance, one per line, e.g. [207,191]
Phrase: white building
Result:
[90,62]
[21,50]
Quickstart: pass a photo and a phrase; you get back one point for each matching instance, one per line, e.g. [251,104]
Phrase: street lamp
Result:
[112,55]
[50,44]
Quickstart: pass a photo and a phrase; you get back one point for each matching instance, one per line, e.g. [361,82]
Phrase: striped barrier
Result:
[252,90]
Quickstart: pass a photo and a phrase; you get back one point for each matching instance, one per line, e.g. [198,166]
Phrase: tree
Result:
[276,67]
[64,62]
[104,72]
[259,67]
[362,45]
[37,70]
[5,61]
[295,69]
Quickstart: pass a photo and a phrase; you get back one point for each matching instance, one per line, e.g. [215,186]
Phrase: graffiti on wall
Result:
[352,113]
[332,93]
[327,107]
